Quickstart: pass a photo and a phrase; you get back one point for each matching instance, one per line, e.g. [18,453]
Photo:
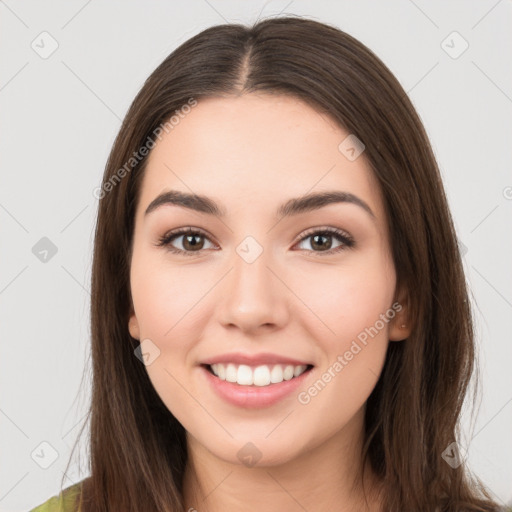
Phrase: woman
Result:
[279,313]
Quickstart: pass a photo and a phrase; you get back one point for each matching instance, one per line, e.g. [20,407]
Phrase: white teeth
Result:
[231,372]
[221,371]
[262,375]
[288,372]
[244,376]
[298,370]
[276,375]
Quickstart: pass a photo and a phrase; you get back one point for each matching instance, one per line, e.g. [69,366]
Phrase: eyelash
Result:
[347,241]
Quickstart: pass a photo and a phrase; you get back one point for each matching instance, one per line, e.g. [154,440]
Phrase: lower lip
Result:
[253,396]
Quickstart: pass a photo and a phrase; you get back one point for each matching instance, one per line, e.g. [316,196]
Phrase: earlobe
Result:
[399,330]
[133,326]
[400,326]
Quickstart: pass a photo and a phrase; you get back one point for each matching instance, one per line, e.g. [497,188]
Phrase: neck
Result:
[327,477]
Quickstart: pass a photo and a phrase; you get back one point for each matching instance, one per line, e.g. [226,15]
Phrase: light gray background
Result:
[59,119]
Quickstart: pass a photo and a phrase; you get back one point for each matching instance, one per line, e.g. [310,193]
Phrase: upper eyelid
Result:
[186,230]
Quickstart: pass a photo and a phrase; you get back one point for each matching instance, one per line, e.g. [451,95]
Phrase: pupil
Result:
[192,244]
[315,243]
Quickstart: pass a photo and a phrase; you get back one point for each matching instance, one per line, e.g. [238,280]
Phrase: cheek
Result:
[342,301]
[353,302]
[170,312]
[166,300]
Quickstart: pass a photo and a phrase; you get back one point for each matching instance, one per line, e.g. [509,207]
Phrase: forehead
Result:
[254,151]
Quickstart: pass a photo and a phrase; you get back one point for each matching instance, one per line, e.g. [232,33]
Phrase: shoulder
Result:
[65,501]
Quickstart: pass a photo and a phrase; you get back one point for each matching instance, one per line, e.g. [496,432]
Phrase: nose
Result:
[254,296]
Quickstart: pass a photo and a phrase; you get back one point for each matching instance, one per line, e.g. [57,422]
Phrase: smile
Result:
[262,375]
[257,387]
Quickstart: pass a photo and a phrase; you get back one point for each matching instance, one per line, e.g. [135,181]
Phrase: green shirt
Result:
[65,501]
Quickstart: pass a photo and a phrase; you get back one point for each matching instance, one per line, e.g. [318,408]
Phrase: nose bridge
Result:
[251,265]
[253,295]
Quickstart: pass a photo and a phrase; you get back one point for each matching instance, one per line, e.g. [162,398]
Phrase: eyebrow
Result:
[294,206]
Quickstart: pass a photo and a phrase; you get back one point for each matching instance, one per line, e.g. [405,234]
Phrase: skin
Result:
[250,154]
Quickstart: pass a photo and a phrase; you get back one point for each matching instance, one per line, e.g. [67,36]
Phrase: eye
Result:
[190,241]
[321,238]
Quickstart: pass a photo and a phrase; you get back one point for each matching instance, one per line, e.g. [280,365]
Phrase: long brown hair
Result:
[137,448]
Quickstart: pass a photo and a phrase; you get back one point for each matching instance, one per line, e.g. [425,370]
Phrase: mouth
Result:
[255,380]
[249,386]
[256,376]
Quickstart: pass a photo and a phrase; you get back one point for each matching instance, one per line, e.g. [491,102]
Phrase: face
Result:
[295,305]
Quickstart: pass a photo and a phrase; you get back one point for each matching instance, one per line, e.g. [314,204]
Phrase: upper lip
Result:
[254,359]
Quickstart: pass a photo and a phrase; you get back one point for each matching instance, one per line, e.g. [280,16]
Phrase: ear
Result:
[400,326]
[133,325]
